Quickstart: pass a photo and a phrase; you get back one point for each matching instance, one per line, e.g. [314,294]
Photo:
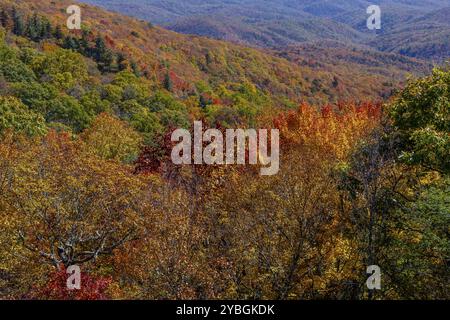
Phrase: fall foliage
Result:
[86,177]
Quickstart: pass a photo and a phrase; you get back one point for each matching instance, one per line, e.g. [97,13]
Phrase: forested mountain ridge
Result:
[152,78]
[190,60]
[347,62]
[87,177]
[406,25]
[424,37]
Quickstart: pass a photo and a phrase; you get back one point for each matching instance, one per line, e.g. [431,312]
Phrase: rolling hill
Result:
[89,179]
[413,28]
[190,60]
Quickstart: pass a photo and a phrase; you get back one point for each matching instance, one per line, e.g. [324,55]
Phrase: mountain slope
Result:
[265,33]
[349,65]
[192,59]
[276,23]
[427,36]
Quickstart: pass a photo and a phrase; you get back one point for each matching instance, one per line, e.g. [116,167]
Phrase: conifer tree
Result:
[4,18]
[32,28]
[121,61]
[46,29]
[18,24]
[168,83]
[58,33]
[70,43]
[100,49]
[135,68]
[84,44]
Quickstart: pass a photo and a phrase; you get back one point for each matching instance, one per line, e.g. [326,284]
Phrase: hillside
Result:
[405,24]
[94,204]
[350,64]
[190,60]
[265,31]
[430,38]
[151,78]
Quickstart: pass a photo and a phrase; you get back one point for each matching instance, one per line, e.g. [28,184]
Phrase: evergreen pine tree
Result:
[84,44]
[46,29]
[135,68]
[70,43]
[58,33]
[4,18]
[18,25]
[32,28]
[102,55]
[100,49]
[121,61]
[107,60]
[37,26]
[168,84]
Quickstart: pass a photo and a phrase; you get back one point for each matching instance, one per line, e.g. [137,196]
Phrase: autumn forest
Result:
[86,176]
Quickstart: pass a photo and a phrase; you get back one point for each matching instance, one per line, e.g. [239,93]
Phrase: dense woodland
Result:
[413,28]
[86,176]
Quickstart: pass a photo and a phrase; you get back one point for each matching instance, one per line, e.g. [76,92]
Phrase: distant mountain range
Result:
[317,73]
[414,28]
